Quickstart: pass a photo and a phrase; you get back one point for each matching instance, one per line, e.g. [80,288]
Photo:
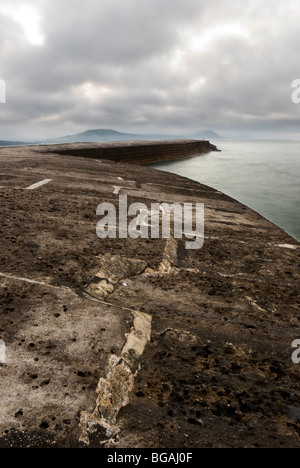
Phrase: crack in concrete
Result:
[114,390]
[113,269]
[31,281]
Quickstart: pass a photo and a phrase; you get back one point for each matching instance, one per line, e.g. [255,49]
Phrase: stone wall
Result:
[136,152]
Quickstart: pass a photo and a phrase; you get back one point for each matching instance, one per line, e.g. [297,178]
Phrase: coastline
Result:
[262,175]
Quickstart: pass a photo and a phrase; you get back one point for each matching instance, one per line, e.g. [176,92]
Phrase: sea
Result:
[262,174]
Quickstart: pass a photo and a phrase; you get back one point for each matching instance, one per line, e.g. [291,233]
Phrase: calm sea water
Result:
[262,174]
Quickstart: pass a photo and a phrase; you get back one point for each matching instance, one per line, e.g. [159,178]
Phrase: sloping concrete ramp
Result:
[139,342]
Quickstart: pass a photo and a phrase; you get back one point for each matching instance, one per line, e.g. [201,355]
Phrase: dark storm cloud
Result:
[149,65]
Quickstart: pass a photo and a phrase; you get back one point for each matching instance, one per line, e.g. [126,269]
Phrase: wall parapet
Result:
[136,152]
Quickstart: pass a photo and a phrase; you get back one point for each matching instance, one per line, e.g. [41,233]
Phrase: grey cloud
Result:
[157,80]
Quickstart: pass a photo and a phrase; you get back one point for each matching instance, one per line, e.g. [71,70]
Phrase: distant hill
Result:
[12,143]
[207,135]
[92,136]
[103,134]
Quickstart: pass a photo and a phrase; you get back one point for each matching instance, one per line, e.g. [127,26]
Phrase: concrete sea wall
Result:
[131,343]
[137,152]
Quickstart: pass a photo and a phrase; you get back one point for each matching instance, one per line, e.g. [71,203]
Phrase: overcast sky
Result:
[149,66]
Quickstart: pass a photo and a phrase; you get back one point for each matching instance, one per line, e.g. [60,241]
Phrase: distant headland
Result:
[107,135]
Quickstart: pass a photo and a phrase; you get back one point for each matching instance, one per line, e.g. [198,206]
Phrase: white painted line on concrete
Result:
[38,184]
[287,246]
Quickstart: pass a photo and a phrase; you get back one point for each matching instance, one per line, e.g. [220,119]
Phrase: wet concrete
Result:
[183,348]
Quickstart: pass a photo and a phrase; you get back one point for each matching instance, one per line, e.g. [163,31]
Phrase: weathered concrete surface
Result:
[186,349]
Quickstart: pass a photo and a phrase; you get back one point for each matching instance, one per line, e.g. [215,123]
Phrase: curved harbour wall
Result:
[128,343]
[137,152]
